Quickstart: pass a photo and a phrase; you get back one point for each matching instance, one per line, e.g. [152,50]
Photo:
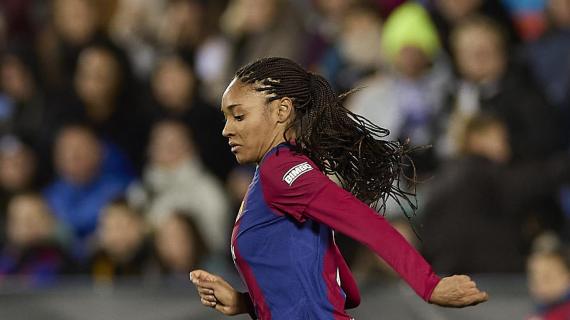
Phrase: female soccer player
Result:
[292,124]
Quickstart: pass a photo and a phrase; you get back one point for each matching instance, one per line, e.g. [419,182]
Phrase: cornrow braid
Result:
[338,141]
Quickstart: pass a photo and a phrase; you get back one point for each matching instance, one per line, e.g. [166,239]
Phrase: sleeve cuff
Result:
[432,282]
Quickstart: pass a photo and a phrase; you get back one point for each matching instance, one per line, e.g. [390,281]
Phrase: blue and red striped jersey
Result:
[283,242]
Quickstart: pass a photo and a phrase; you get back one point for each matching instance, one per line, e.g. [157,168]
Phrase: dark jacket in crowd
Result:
[472,216]
[534,126]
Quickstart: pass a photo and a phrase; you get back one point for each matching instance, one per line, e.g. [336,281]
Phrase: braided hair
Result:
[340,142]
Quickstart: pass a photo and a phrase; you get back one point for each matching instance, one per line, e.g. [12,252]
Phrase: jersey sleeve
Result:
[309,194]
[290,182]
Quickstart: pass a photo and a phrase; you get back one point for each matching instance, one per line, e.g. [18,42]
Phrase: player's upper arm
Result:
[290,181]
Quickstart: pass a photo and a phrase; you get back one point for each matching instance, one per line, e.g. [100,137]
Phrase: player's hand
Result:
[216,293]
[457,291]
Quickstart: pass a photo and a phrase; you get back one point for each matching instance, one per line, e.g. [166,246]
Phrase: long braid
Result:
[338,141]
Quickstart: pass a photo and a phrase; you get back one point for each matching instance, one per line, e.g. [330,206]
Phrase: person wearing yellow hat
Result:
[412,91]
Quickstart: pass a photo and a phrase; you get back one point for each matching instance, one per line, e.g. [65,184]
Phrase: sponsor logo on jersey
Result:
[295,172]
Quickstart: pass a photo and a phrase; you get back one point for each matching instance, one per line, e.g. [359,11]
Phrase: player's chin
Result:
[243,158]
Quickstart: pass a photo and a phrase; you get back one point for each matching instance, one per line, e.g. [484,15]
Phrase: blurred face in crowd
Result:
[170,145]
[548,278]
[411,62]
[259,15]
[334,9]
[491,142]
[97,80]
[360,38]
[173,84]
[559,11]
[77,155]
[121,231]
[17,166]
[29,221]
[479,53]
[16,78]
[76,20]
[133,18]
[175,244]
[455,10]
[182,24]
[253,126]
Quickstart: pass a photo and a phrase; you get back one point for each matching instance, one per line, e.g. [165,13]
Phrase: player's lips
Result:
[234,146]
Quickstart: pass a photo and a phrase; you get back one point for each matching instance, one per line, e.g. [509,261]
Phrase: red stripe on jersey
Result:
[330,275]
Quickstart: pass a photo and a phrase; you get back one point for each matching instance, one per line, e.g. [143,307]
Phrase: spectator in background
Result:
[549,56]
[175,179]
[22,105]
[17,166]
[257,30]
[103,88]
[148,28]
[133,26]
[448,14]
[324,24]
[75,24]
[192,27]
[356,52]
[180,246]
[122,249]
[331,16]
[31,255]
[24,108]
[175,95]
[490,82]
[183,26]
[406,100]
[474,209]
[83,185]
[549,283]
[17,173]
[97,91]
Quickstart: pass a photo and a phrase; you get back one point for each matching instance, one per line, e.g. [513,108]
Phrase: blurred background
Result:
[115,180]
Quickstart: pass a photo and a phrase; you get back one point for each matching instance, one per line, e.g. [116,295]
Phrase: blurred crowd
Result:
[112,161]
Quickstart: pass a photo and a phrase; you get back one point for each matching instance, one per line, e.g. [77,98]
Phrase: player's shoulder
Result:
[285,163]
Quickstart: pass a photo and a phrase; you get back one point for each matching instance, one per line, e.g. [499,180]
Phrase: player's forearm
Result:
[346,214]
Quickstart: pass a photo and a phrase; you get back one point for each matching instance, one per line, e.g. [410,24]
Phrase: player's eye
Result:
[238,118]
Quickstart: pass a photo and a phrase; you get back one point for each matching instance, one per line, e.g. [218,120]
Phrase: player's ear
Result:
[285,110]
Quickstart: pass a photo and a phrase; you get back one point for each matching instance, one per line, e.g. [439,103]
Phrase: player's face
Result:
[251,123]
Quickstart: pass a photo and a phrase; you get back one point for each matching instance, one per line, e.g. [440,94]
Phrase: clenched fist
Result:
[457,292]
[216,293]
